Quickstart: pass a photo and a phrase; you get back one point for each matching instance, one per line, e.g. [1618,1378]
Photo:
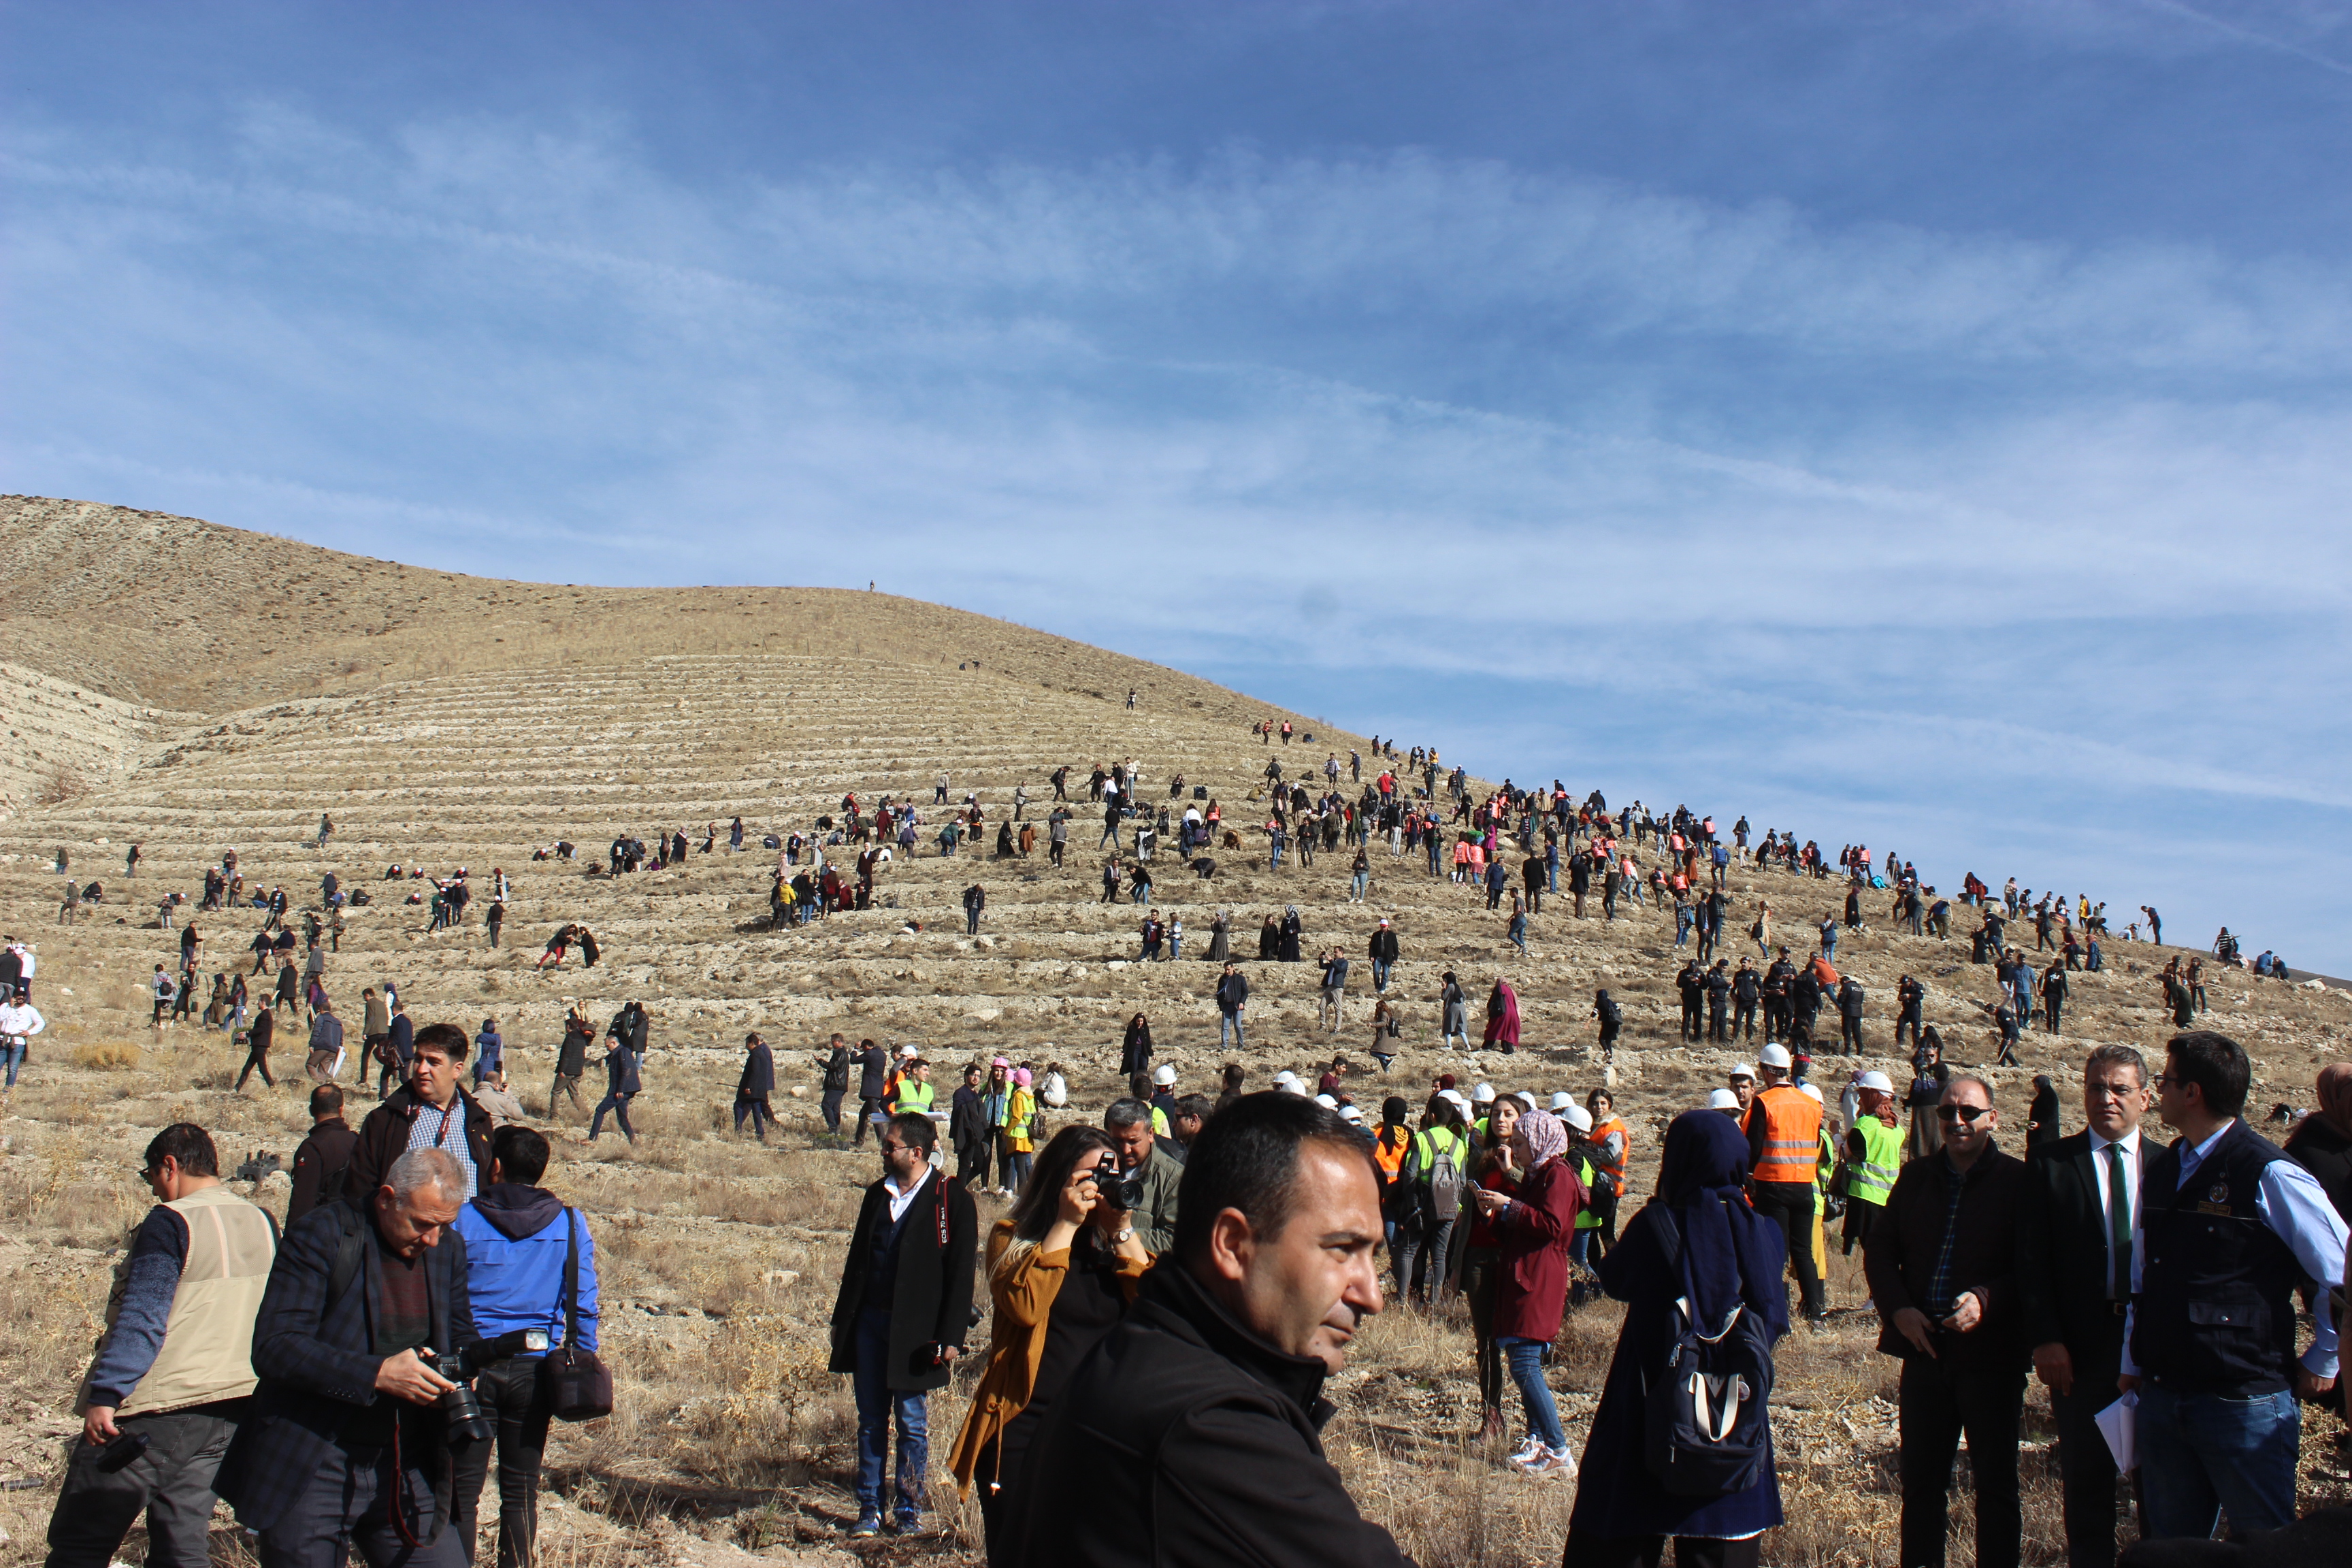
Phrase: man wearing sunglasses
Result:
[2228,1226]
[1942,1265]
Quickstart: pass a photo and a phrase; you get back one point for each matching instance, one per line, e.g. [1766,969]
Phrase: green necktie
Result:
[2119,1228]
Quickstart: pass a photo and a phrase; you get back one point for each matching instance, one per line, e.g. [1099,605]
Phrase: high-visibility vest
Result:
[1871,1181]
[1792,1133]
[1613,1170]
[1390,1157]
[1585,1217]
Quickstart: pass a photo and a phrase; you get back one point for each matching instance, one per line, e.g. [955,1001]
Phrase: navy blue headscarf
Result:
[1732,1254]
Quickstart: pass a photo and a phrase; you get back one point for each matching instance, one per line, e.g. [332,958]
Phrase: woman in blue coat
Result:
[1623,1516]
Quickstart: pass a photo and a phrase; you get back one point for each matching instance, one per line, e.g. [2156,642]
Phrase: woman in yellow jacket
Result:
[1020,1110]
[1062,1270]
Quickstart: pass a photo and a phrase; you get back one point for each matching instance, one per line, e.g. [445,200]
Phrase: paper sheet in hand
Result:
[2118,1425]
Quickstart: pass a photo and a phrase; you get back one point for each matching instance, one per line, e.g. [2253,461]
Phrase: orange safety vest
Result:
[1613,1172]
[1391,1160]
[1792,1134]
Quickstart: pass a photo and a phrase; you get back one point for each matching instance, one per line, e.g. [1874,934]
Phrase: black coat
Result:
[931,1302]
[2061,1260]
[1190,1441]
[1900,1257]
[873,1072]
[2319,1148]
[619,1073]
[383,1137]
[758,1079]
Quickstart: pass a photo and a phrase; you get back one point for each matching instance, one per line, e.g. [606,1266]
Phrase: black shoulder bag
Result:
[579,1388]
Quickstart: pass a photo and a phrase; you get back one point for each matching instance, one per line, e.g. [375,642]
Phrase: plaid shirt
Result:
[1939,1304]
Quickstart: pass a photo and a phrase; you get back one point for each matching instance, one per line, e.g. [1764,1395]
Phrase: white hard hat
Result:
[1350,1113]
[1878,1080]
[1562,1100]
[1286,1076]
[1327,1102]
[1722,1099]
[1295,1087]
[908,1051]
[1164,1073]
[1483,1095]
[1775,1056]
[1576,1116]
[1812,1090]
[1742,1069]
[1453,1097]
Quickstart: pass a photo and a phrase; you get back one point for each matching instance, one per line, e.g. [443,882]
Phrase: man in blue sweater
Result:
[520,1241]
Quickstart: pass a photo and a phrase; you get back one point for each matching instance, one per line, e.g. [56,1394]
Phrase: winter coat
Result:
[621,1072]
[1502,1017]
[1531,1289]
[516,1244]
[930,1299]
[383,1137]
[758,1079]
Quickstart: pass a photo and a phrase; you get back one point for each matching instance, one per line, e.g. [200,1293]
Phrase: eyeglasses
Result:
[2113,1090]
[1961,1112]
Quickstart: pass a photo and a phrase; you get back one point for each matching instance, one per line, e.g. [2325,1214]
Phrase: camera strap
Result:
[572,1278]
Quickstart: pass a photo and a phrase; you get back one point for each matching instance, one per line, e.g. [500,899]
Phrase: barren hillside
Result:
[608,711]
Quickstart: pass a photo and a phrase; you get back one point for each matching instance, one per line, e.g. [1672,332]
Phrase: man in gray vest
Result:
[2229,1227]
[174,1373]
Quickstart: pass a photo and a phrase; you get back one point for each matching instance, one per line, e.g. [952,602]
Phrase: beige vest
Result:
[208,1351]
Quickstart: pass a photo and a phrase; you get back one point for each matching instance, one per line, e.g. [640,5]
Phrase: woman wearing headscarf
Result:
[1020,1110]
[1503,1016]
[1457,1010]
[1135,1054]
[1221,938]
[1532,1228]
[2041,1124]
[2323,1143]
[1269,940]
[1062,1271]
[1291,928]
[1734,1256]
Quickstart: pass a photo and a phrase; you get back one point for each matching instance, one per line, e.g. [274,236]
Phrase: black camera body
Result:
[1121,1192]
[460,1406]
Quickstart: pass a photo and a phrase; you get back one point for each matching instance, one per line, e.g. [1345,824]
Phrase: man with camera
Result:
[529,1264]
[173,1375]
[360,1343]
[905,1306]
[1189,1436]
[431,1110]
[1156,1175]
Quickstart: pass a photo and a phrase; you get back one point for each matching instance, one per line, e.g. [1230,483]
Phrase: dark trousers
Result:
[1790,1205]
[829,1104]
[618,1104]
[2085,1461]
[758,1110]
[511,1396]
[1479,1267]
[1743,1016]
[867,1109]
[1850,1034]
[565,1084]
[1585,1550]
[172,1482]
[1937,1405]
[257,1062]
[1718,1023]
[348,1507]
[1421,1253]
[972,1162]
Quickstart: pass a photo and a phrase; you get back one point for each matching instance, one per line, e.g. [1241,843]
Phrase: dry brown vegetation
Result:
[721,1255]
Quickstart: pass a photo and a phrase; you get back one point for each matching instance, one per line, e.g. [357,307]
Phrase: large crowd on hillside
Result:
[1172,1282]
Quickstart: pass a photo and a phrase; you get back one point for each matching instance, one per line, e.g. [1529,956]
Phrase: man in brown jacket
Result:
[1942,1265]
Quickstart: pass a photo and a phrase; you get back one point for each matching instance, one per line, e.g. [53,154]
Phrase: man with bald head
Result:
[343,1447]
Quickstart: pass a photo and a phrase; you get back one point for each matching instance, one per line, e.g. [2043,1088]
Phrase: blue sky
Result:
[1928,425]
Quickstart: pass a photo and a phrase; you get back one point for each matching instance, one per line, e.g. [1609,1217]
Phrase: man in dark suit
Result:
[2073,1273]
[904,1309]
[343,1446]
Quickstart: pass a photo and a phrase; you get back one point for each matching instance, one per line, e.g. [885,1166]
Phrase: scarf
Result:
[1546,1138]
[1731,1255]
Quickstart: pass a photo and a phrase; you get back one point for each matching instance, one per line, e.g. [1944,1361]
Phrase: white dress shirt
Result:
[899,1200]
[2099,1147]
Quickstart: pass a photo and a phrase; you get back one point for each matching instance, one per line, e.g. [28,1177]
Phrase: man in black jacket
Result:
[968,1128]
[1232,995]
[1189,1435]
[343,1447]
[322,1163]
[432,1110]
[905,1306]
[752,1089]
[2074,1283]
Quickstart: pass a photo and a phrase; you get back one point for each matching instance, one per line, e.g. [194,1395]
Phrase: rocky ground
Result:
[721,1254]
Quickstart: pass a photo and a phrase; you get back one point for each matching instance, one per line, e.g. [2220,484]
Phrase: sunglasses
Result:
[1961,1112]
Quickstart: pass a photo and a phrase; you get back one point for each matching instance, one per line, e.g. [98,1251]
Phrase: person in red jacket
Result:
[1533,1227]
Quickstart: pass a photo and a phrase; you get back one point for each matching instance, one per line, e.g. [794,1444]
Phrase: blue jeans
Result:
[1829,944]
[876,1404]
[1526,1359]
[1233,1022]
[1356,889]
[1379,975]
[14,1055]
[2200,1453]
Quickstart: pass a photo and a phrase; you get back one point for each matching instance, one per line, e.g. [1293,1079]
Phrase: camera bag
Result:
[579,1387]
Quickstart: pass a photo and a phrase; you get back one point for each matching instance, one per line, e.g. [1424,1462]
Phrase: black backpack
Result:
[1706,1430]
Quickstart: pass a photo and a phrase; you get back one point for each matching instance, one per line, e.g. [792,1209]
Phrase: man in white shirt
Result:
[2228,1226]
[18,1024]
[2074,1269]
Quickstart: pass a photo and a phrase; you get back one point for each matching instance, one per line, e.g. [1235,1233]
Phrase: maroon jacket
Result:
[1531,1289]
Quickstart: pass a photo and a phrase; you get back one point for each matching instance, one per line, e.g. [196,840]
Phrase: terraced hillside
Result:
[722,1253]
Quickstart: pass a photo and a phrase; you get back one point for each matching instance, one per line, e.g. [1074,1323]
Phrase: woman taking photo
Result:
[1726,1257]
[1531,1230]
[1062,1270]
[1496,1171]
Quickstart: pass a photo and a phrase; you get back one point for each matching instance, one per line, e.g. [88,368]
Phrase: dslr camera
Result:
[1123,1193]
[460,1407]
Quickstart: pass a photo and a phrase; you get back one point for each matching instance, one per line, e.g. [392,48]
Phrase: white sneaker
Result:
[1548,1462]
[1532,1449]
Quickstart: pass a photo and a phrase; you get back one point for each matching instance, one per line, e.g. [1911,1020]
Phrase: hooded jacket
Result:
[517,1239]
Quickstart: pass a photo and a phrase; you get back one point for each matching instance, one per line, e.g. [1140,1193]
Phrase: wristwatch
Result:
[1123,1234]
